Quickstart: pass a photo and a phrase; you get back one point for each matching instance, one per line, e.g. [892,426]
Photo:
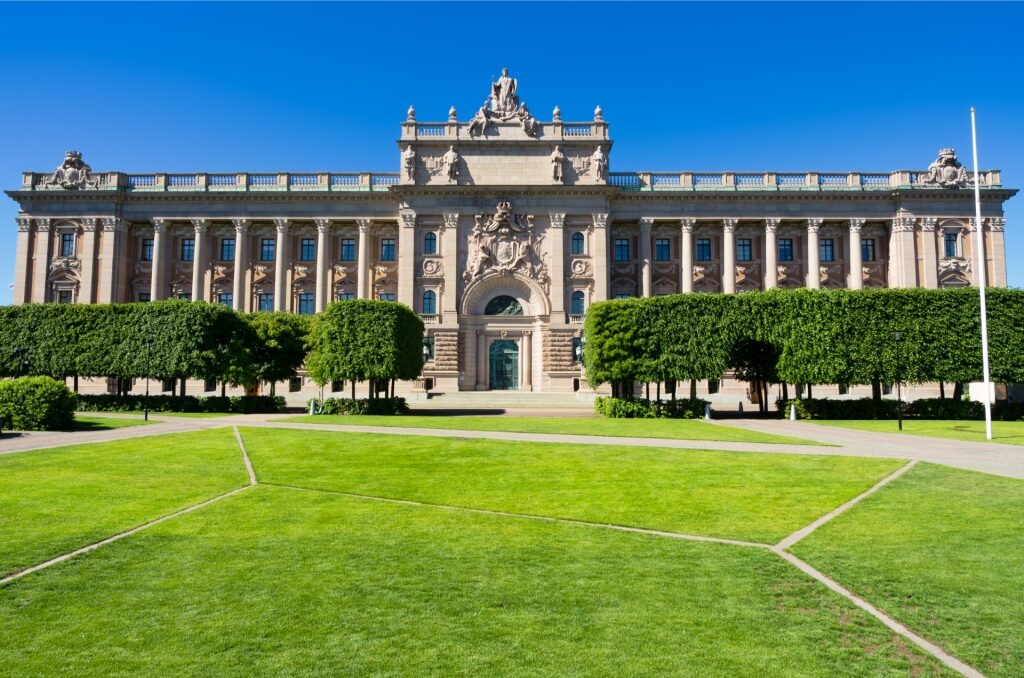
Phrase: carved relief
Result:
[65,264]
[221,273]
[748,276]
[702,280]
[72,173]
[946,171]
[581,268]
[504,243]
[433,268]
[830,275]
[789,275]
[300,272]
[342,273]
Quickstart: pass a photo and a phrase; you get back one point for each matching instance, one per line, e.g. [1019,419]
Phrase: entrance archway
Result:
[504,365]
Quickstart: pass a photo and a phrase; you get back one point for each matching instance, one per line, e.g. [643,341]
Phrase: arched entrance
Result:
[504,365]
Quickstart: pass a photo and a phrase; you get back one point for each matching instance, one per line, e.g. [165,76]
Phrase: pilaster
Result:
[87,255]
[160,264]
[902,259]
[22,283]
[449,237]
[855,279]
[41,261]
[645,256]
[601,263]
[729,255]
[406,257]
[771,253]
[281,259]
[686,251]
[929,254]
[813,255]
[557,240]
[199,260]
[239,294]
[110,268]
[362,286]
[997,251]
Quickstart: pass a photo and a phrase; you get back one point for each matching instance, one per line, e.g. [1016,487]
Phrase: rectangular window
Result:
[227,249]
[621,295]
[577,243]
[743,250]
[295,384]
[827,249]
[64,297]
[786,249]
[662,250]
[167,385]
[306,303]
[337,385]
[346,296]
[226,298]
[142,296]
[703,249]
[67,244]
[844,389]
[867,249]
[577,349]
[209,385]
[950,241]
[268,248]
[622,249]
[428,349]
[188,249]
[265,302]
[185,296]
[386,296]
[307,251]
[387,249]
[348,249]
[147,249]
[712,386]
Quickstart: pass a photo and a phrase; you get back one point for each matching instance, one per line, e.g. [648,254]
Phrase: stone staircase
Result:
[492,400]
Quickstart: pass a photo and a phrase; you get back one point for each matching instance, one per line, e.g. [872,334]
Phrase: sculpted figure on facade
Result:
[503,105]
[478,125]
[72,173]
[599,161]
[557,165]
[946,171]
[409,162]
[450,160]
[503,94]
[505,243]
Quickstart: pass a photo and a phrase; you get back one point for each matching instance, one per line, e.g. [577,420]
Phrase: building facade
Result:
[499,231]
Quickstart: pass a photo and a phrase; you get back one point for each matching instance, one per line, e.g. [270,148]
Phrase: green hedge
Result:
[620,408]
[167,403]
[924,408]
[821,408]
[36,404]
[361,406]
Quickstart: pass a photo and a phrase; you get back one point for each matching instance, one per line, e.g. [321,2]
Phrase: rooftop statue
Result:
[503,105]
[73,173]
[504,101]
[946,171]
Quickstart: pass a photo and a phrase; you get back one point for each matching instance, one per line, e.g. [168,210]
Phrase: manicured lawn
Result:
[679,429]
[1009,432]
[53,501]
[289,582]
[943,551]
[759,497]
[160,415]
[85,422]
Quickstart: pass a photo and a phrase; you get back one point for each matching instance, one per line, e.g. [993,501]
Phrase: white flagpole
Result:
[980,266]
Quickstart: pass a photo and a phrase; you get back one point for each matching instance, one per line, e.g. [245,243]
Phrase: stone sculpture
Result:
[600,164]
[557,165]
[72,173]
[503,105]
[946,171]
[451,164]
[409,162]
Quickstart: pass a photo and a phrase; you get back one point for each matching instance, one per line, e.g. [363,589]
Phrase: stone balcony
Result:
[237,182]
[782,181]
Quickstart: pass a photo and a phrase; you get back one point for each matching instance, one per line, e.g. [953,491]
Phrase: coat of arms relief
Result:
[504,243]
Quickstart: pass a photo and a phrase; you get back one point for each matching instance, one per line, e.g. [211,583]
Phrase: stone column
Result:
[87,255]
[323,297]
[22,284]
[481,360]
[902,259]
[406,257]
[771,253]
[199,260]
[557,240]
[239,295]
[601,262]
[813,254]
[109,279]
[41,261]
[527,384]
[729,255]
[645,256]
[281,266]
[159,264]
[686,249]
[929,254]
[363,259]
[855,280]
[449,237]
[997,250]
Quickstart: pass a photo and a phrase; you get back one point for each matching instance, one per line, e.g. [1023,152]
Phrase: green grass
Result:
[54,501]
[679,429]
[1008,432]
[287,582]
[760,497]
[158,415]
[85,422]
[943,551]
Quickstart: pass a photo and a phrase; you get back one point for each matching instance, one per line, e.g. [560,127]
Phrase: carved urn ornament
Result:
[946,171]
[73,173]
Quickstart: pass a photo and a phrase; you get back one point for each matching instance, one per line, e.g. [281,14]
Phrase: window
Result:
[337,385]
[227,249]
[346,296]
[503,305]
[577,243]
[295,384]
[147,249]
[387,249]
[429,303]
[703,249]
[142,296]
[307,303]
[743,252]
[428,349]
[185,296]
[844,389]
[622,249]
[188,249]
[827,249]
[209,385]
[226,298]
[268,248]
[265,302]
[577,303]
[786,249]
[577,350]
[348,249]
[950,241]
[67,244]
[167,385]
[430,243]
[307,250]
[64,297]
[867,249]
[621,295]
[386,296]
[712,386]
[662,250]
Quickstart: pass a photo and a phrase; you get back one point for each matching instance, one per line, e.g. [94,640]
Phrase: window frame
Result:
[827,249]
[580,298]
[348,250]
[388,249]
[431,308]
[621,249]
[307,249]
[227,246]
[868,249]
[146,250]
[578,243]
[744,249]
[265,297]
[268,249]
[188,247]
[784,250]
[702,249]
[430,243]
[305,303]
[662,249]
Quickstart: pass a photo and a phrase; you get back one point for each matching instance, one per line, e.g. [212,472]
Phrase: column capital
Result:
[363,224]
[557,220]
[814,224]
[407,217]
[646,223]
[771,224]
[281,224]
[903,224]
[856,225]
[24,224]
[449,220]
[160,225]
[43,224]
[729,225]
[241,225]
[686,224]
[929,223]
[113,224]
[89,224]
[323,224]
[997,224]
[600,219]
[200,225]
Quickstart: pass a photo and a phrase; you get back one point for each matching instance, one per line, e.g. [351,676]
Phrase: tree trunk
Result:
[785,391]
[942,389]
[958,390]
[392,389]
[810,392]
[693,389]
[876,390]
[647,387]
[353,383]
[183,380]
[659,392]
[223,388]
[76,383]
[273,389]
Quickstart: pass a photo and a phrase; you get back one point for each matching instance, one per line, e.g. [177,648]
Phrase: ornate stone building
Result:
[499,231]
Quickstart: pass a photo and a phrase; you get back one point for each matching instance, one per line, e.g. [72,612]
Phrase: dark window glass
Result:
[265,302]
[712,386]
[621,295]
[307,303]
[827,249]
[622,249]
[867,249]
[337,385]
[387,249]
[307,250]
[209,385]
[64,297]
[386,296]
[268,249]
[429,303]
[67,244]
[577,303]
[227,249]
[428,346]
[348,249]
[346,296]
[703,249]
[226,298]
[142,296]
[188,249]
[430,243]
[187,296]
[503,305]
[662,250]
[295,384]
[577,243]
[147,249]
[743,250]
[786,249]
[950,242]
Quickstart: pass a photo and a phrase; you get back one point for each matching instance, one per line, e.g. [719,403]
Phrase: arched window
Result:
[430,243]
[429,303]
[503,305]
[577,303]
[577,243]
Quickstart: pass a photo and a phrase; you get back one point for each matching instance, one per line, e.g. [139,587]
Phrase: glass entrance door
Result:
[504,365]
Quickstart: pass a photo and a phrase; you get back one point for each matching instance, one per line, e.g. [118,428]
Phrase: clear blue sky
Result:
[265,87]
